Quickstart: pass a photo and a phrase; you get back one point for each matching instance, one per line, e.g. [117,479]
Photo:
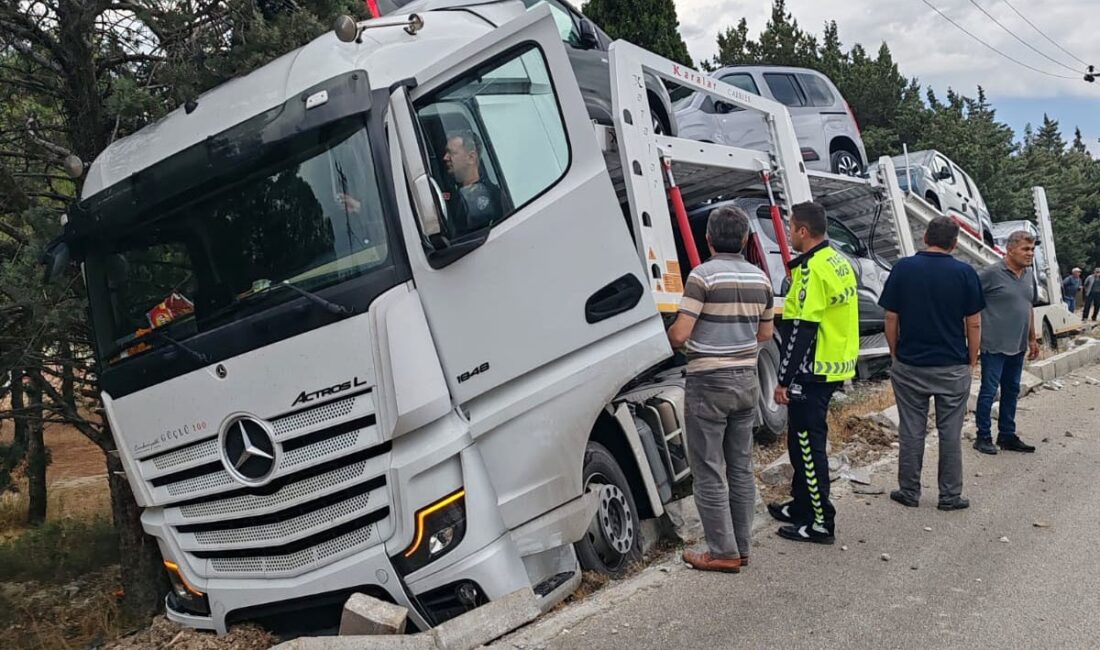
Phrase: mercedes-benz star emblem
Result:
[248,450]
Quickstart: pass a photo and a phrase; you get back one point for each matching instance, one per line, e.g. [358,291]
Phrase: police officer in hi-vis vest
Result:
[819,348]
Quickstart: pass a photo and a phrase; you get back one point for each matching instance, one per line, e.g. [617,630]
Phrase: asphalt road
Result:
[956,585]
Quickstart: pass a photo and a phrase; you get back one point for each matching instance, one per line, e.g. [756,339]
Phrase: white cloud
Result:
[927,46]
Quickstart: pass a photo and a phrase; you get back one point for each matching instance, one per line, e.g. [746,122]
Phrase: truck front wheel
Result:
[612,542]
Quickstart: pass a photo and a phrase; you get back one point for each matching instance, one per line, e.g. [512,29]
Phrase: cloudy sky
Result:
[930,48]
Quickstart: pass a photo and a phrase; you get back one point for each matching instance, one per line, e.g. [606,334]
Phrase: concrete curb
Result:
[1066,362]
[466,632]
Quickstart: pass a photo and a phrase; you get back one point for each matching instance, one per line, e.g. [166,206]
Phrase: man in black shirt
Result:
[476,204]
[933,306]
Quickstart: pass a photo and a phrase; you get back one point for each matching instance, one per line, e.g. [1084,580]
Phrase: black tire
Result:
[773,416]
[845,163]
[613,541]
[933,201]
[1049,339]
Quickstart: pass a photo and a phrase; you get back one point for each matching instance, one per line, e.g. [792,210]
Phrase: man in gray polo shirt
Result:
[1008,333]
[724,314]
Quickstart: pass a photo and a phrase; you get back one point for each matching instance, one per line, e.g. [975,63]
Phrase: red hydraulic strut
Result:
[677,200]
[777,223]
[372,5]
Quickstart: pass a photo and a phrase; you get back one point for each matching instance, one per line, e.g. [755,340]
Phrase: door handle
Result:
[619,296]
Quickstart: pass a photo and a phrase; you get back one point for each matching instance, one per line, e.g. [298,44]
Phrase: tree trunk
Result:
[37,459]
[144,581]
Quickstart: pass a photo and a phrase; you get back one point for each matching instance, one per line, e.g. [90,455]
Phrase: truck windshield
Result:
[313,220]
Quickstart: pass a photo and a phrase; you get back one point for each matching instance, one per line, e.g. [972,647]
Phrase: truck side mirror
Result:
[589,39]
[55,259]
[943,174]
[429,201]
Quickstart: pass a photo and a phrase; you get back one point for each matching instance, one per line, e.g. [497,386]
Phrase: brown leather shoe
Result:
[704,562]
[744,561]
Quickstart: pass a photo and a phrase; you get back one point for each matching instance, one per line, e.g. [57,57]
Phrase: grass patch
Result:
[13,512]
[59,551]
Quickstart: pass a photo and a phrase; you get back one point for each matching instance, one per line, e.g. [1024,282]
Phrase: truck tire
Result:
[933,200]
[773,416]
[1049,338]
[612,543]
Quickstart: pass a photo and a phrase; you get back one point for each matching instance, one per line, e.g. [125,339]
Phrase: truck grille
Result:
[328,496]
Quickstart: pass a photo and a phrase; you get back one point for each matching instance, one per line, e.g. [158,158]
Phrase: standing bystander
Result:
[1070,286]
[820,349]
[1008,333]
[933,326]
[725,312]
[1090,293]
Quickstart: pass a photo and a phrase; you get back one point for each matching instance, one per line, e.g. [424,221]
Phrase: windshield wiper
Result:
[327,305]
[160,336]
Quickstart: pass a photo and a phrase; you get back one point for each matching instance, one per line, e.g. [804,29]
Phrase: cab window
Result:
[495,140]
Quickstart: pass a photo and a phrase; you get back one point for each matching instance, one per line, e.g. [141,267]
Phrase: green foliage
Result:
[651,24]
[59,551]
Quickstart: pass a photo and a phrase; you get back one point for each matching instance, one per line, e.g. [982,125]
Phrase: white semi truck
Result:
[371,318]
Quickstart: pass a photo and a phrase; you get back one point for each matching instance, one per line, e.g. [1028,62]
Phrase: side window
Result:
[495,140]
[940,163]
[843,239]
[965,180]
[567,25]
[817,91]
[785,89]
[741,80]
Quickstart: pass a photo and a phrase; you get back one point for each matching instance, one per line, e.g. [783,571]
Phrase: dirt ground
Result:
[76,475]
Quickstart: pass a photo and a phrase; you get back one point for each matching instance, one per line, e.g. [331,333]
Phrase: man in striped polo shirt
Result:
[725,312]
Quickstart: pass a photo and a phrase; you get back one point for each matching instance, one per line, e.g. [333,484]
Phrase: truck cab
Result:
[304,290]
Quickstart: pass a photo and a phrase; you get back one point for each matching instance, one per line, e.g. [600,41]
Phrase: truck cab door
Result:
[533,289]
[533,267]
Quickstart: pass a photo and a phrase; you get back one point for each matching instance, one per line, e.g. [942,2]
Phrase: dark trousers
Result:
[1093,301]
[1001,371]
[806,438]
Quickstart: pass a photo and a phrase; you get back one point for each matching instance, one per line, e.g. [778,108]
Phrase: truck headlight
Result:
[440,527]
[183,597]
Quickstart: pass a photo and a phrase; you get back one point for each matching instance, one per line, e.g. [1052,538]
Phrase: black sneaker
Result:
[904,499]
[807,533]
[985,446]
[1015,444]
[781,511]
[958,503]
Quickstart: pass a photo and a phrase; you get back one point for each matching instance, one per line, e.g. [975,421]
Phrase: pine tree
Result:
[651,24]
[1078,142]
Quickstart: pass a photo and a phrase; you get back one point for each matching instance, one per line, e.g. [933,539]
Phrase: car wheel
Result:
[660,122]
[845,163]
[1049,338]
[773,416]
[933,201]
[613,541]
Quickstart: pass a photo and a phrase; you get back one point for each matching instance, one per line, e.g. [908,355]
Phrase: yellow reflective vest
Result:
[823,291]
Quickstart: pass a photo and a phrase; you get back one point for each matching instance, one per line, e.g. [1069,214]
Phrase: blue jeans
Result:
[1071,303]
[999,371]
